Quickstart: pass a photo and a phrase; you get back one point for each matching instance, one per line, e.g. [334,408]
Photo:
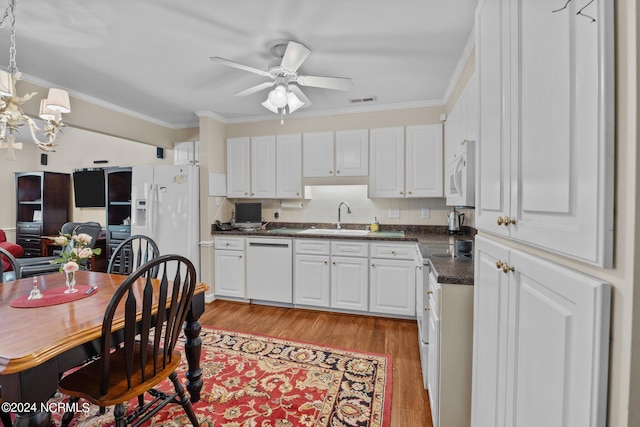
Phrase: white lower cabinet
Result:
[230,277]
[541,337]
[332,274]
[349,283]
[450,353]
[392,279]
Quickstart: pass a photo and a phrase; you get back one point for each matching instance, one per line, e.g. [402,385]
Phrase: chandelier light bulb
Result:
[6,84]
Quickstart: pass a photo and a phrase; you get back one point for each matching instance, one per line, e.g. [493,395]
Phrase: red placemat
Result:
[53,297]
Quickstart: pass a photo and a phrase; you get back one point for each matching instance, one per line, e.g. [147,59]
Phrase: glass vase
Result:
[71,282]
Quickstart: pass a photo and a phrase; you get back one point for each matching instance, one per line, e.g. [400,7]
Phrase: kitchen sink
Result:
[334,232]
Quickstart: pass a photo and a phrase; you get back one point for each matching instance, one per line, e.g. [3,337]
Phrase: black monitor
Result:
[89,188]
[248,215]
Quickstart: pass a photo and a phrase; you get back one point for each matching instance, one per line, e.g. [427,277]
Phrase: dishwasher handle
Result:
[269,245]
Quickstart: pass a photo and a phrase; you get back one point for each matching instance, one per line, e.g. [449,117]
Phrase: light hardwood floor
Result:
[398,338]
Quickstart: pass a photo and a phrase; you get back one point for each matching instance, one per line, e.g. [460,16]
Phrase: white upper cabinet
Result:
[318,154]
[347,156]
[238,167]
[289,166]
[263,167]
[352,152]
[424,168]
[387,162]
[399,171]
[462,122]
[545,154]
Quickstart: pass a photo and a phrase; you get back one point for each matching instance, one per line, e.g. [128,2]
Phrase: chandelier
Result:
[12,118]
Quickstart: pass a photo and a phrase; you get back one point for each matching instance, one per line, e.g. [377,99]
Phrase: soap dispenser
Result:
[375,225]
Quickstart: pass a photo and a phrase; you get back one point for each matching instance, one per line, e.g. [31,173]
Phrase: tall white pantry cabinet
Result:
[544,180]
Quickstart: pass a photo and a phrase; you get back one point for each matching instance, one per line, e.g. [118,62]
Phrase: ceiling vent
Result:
[359,100]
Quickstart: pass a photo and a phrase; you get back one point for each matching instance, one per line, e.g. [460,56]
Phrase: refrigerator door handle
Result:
[151,210]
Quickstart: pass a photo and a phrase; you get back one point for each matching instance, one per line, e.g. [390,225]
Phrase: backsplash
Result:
[322,207]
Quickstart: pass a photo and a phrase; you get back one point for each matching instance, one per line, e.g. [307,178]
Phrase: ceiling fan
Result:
[286,97]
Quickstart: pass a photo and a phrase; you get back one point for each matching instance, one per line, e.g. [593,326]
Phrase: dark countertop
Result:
[431,239]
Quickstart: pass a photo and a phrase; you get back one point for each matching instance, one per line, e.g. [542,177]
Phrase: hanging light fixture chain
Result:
[13,68]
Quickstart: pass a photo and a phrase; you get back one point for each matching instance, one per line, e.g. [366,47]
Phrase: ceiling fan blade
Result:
[301,96]
[240,66]
[337,83]
[254,89]
[294,56]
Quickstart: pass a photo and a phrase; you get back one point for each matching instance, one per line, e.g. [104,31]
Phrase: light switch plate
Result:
[394,213]
[424,213]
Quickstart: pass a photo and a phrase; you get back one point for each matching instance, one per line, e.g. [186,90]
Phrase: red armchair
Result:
[14,249]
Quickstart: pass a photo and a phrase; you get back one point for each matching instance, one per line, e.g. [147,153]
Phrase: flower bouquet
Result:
[74,256]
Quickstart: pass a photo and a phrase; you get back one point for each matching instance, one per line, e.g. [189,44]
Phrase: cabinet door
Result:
[386,177]
[318,154]
[493,149]
[491,294]
[229,274]
[537,326]
[352,153]
[562,143]
[424,167]
[289,166]
[263,167]
[558,341]
[392,287]
[238,172]
[349,283]
[433,377]
[312,280]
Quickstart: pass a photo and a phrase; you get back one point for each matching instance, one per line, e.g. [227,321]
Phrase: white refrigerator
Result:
[166,207]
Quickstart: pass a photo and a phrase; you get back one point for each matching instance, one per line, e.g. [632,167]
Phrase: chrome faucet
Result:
[348,211]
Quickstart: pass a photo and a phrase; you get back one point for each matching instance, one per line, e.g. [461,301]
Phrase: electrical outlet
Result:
[424,213]
[276,214]
[394,213]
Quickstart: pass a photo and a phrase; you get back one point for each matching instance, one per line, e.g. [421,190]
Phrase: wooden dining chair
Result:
[132,253]
[146,356]
[15,272]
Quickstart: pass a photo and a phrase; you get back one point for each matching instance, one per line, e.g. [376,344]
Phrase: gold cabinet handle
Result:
[507,268]
[429,292]
[506,221]
[499,264]
[426,308]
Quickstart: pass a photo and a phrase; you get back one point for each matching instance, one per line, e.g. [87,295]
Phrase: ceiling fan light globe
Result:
[293,102]
[278,97]
[269,106]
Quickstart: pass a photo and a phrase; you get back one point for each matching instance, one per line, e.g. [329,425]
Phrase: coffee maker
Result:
[455,221]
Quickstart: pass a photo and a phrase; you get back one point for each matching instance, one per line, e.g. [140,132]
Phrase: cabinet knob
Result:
[226,244]
[330,172]
[499,264]
[297,194]
[246,194]
[393,252]
[373,265]
[505,221]
[410,192]
[253,194]
[327,262]
[429,292]
[337,171]
[507,268]
[402,192]
[426,308]
[239,256]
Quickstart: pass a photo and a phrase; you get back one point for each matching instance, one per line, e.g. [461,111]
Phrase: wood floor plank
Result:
[397,338]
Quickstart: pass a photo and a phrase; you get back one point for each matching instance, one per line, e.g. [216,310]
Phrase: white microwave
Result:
[460,178]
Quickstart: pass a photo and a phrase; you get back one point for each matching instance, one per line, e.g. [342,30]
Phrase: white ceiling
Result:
[151,57]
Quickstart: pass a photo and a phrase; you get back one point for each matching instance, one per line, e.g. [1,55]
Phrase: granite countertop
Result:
[431,239]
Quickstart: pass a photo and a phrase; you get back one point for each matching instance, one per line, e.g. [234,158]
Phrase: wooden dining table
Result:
[38,344]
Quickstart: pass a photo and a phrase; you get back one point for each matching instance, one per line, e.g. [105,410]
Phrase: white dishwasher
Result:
[270,269]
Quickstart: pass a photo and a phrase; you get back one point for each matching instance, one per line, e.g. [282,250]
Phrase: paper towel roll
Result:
[292,205]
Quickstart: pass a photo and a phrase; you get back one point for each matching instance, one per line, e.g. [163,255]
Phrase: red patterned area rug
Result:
[259,381]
